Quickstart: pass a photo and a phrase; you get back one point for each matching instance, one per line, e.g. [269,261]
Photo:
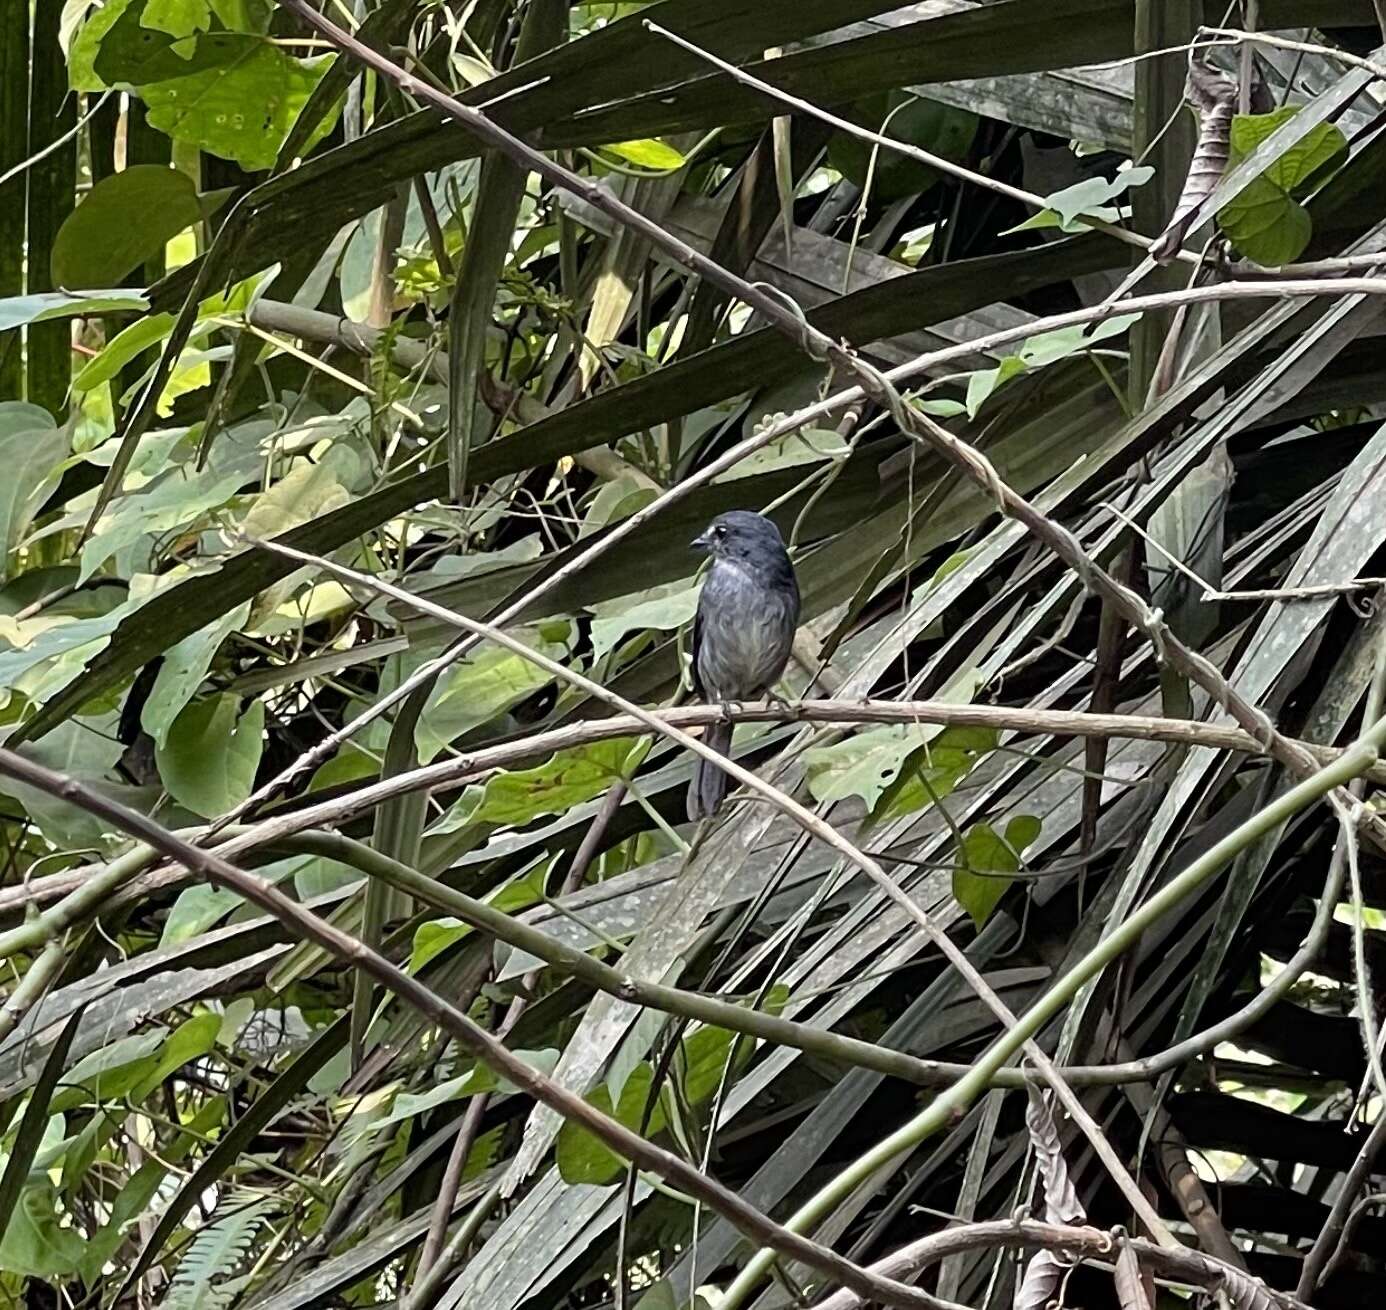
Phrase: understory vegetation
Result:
[366,373]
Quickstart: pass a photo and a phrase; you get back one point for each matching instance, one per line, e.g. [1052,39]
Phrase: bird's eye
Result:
[719,531]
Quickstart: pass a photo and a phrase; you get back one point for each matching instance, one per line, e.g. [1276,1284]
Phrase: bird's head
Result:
[741,534]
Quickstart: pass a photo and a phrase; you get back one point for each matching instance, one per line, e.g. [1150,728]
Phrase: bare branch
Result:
[631,1146]
[1182,1265]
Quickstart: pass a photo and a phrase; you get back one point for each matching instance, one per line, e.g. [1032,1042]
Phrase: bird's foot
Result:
[730,709]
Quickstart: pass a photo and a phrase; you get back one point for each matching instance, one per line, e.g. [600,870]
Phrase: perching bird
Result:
[747,614]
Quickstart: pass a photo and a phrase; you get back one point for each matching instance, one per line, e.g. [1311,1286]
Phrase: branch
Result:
[941,1111]
[791,321]
[631,1146]
[1326,1244]
[473,765]
[1087,1243]
[811,823]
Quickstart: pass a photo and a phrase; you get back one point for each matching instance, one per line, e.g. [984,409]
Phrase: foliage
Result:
[249,294]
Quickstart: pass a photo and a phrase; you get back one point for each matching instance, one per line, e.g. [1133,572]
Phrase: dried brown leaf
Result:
[1130,1284]
[1215,98]
[1045,1274]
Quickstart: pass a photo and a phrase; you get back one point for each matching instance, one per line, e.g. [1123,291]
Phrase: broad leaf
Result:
[984,860]
[209,760]
[122,221]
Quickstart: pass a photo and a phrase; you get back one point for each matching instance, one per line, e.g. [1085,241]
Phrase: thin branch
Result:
[25,164]
[937,162]
[1182,1265]
[1120,938]
[1212,593]
[812,823]
[631,1146]
[1326,1244]
[31,988]
[1368,1202]
[1303,47]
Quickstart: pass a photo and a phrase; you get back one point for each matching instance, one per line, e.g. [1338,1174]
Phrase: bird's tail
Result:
[710,783]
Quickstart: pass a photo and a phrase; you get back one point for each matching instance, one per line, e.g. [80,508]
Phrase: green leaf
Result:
[647,154]
[196,909]
[121,349]
[44,306]
[663,608]
[866,763]
[479,1079]
[1266,225]
[189,1041]
[122,221]
[350,764]
[433,938]
[31,449]
[35,1243]
[208,763]
[1266,222]
[86,45]
[182,671]
[1050,347]
[479,688]
[1091,197]
[807,446]
[177,17]
[111,1071]
[1320,150]
[233,94]
[984,381]
[1038,352]
[580,1157]
[979,881]
[705,1054]
[565,780]
[934,771]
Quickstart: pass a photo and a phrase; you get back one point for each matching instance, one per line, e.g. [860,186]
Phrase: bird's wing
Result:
[698,689]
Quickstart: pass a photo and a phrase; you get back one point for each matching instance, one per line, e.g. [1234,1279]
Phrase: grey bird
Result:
[747,614]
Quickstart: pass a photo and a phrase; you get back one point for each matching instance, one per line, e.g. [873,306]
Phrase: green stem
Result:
[76,906]
[945,1108]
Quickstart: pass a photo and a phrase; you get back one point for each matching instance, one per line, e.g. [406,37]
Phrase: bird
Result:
[742,632]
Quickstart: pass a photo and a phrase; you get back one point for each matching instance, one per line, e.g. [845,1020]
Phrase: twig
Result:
[811,823]
[1368,1202]
[1303,47]
[1120,938]
[631,1146]
[1183,1265]
[1211,593]
[1326,1244]
[57,144]
[31,987]
[937,162]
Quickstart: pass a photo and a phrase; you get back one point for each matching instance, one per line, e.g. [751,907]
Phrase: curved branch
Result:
[1185,1265]
[631,1146]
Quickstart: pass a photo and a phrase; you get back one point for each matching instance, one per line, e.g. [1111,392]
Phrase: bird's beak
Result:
[702,542]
